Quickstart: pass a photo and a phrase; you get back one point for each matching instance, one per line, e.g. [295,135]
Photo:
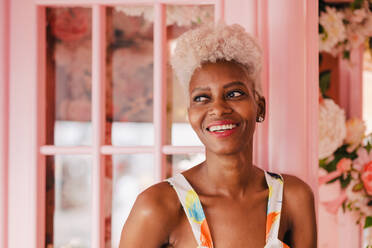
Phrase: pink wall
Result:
[22,200]
[4,86]
[287,141]
[288,31]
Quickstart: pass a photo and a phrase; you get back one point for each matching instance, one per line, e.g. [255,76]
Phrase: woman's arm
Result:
[151,219]
[299,200]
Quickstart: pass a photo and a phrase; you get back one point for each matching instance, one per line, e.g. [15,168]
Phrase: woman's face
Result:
[222,108]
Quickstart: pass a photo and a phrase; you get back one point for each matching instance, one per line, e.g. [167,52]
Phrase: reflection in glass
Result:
[72,200]
[182,162]
[130,76]
[68,72]
[179,20]
[132,174]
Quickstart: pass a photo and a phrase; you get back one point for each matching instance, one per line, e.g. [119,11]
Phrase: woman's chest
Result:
[231,224]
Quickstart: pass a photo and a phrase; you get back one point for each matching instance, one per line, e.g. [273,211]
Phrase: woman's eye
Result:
[201,98]
[235,93]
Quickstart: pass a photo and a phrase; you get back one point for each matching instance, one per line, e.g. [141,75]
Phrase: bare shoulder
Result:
[154,215]
[298,202]
[296,190]
[160,200]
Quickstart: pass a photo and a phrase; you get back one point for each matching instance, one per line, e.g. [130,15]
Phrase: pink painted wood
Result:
[159,90]
[219,10]
[54,150]
[261,152]
[351,83]
[351,100]
[98,124]
[120,2]
[4,118]
[23,151]
[293,91]
[39,131]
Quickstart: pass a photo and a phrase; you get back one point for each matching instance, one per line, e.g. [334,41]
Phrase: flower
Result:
[355,37]
[334,29]
[367,178]
[333,206]
[70,24]
[357,200]
[344,165]
[332,128]
[355,129]
[364,157]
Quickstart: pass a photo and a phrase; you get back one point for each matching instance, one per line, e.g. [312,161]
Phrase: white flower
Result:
[358,200]
[332,128]
[334,29]
[355,129]
[355,36]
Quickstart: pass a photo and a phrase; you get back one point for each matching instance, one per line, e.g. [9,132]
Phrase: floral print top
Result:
[196,217]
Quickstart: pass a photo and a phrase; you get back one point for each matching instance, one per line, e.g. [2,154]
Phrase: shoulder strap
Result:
[193,210]
[274,206]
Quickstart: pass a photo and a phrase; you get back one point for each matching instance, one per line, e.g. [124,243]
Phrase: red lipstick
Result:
[225,132]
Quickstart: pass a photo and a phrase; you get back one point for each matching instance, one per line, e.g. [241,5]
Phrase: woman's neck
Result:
[231,175]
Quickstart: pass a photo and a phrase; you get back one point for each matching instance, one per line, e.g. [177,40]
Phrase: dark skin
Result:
[232,190]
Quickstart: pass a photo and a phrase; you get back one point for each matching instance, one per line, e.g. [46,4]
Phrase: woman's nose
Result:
[220,108]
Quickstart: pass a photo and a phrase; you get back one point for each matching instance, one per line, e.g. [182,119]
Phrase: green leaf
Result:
[357,4]
[346,55]
[368,222]
[357,187]
[345,182]
[320,29]
[324,81]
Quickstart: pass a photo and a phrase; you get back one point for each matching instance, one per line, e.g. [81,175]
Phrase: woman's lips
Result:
[224,133]
[222,128]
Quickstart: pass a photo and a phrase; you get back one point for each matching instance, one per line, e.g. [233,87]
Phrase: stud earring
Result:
[260,119]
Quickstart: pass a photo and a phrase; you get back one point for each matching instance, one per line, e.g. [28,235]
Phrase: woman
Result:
[225,201]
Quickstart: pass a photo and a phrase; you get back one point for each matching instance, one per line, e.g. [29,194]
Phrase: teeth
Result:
[221,127]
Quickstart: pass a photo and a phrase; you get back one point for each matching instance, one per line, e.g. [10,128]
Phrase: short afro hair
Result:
[213,43]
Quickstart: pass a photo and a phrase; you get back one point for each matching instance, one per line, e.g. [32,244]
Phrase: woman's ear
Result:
[261,110]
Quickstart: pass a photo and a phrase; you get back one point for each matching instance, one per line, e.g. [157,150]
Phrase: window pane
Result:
[130,75]
[132,174]
[68,199]
[182,162]
[68,69]
[179,20]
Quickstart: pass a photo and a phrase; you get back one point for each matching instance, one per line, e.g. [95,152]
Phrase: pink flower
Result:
[363,158]
[333,206]
[70,24]
[367,177]
[344,165]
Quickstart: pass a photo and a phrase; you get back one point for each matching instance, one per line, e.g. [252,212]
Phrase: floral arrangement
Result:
[344,26]
[345,156]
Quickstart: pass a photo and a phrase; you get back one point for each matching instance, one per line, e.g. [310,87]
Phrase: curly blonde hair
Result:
[212,43]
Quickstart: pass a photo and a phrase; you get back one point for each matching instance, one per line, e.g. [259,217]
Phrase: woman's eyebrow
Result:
[200,88]
[235,83]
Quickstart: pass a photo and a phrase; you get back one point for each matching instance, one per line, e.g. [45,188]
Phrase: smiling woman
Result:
[225,201]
